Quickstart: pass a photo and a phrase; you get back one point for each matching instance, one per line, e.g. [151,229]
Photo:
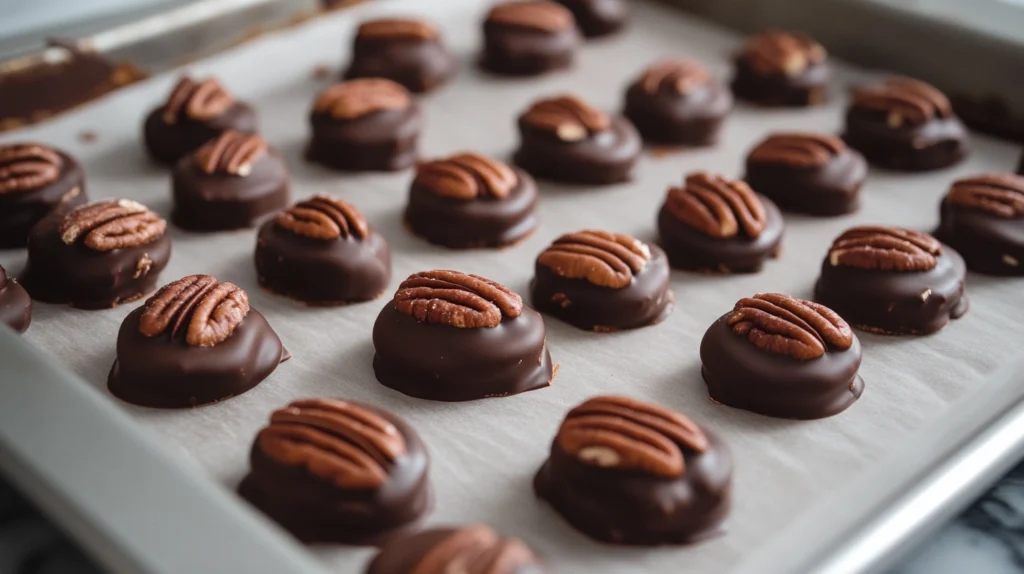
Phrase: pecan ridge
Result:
[795,149]
[568,117]
[324,217]
[196,100]
[208,311]
[717,206]
[230,153]
[475,549]
[784,325]
[602,258]
[112,224]
[357,98]
[903,100]
[680,76]
[999,194]
[541,16]
[456,299]
[778,52]
[396,29]
[466,176]
[884,249]
[27,166]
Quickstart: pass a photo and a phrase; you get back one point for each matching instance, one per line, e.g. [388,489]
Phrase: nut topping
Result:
[208,311]
[475,549]
[396,29]
[539,16]
[903,100]
[784,325]
[884,249]
[776,52]
[679,76]
[602,258]
[324,217]
[196,100]
[804,150]
[999,194]
[626,434]
[568,117]
[231,153]
[357,98]
[466,176]
[112,224]
[24,167]
[456,299]
[717,206]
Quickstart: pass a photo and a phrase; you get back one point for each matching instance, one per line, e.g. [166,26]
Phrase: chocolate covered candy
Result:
[322,251]
[676,102]
[782,357]
[564,139]
[35,180]
[905,124]
[474,549]
[628,472]
[779,68]
[15,304]
[407,51]
[367,124]
[469,200]
[1020,166]
[808,173]
[528,37]
[892,281]
[195,341]
[330,470]
[449,336]
[983,219]
[194,113]
[598,17]
[716,224]
[602,281]
[97,256]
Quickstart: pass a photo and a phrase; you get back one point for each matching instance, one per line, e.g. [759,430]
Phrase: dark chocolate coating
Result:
[379,141]
[401,554]
[516,51]
[598,17]
[419,65]
[15,304]
[166,373]
[1020,166]
[779,90]
[85,278]
[636,508]
[315,510]
[481,222]
[443,363]
[322,271]
[989,244]
[647,300]
[168,143]
[689,249]
[20,211]
[602,158]
[935,144]
[668,118]
[895,302]
[221,201]
[831,189]
[739,374]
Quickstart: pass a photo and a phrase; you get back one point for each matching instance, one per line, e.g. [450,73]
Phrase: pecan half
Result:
[456,299]
[475,549]
[805,150]
[903,100]
[999,194]
[112,224]
[396,29]
[200,101]
[777,52]
[533,15]
[619,432]
[884,249]
[568,117]
[680,76]
[466,176]
[784,325]
[602,258]
[27,166]
[357,98]
[230,153]
[207,311]
[345,443]
[717,206]
[324,217]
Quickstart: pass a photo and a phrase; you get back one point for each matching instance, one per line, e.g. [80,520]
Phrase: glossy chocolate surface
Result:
[598,17]
[15,304]
[989,244]
[826,190]
[515,50]
[804,89]
[379,141]
[602,158]
[666,117]
[418,63]
[169,143]
[20,211]
[937,143]
[443,550]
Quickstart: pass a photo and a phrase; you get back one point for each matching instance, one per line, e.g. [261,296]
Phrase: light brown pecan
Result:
[623,433]
[568,117]
[533,15]
[602,258]
[396,29]
[776,52]
[466,176]
[999,194]
[344,443]
[27,166]
[456,299]
[884,249]
[717,206]
[112,224]
[217,315]
[196,100]
[324,217]
[788,326]
[230,153]
[475,549]
[903,100]
[680,76]
[207,311]
[795,149]
[357,98]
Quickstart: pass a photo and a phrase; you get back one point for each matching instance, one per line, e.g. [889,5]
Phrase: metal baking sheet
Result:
[485,452]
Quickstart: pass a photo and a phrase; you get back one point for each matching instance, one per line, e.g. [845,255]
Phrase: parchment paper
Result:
[485,452]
